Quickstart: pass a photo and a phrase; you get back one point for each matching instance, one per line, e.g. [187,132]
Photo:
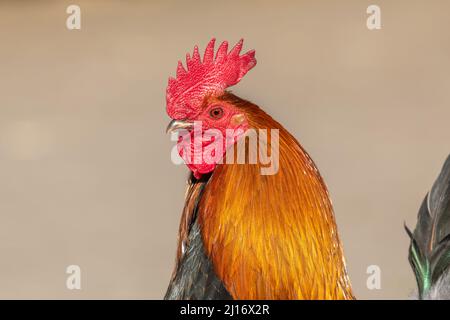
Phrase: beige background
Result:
[85,170]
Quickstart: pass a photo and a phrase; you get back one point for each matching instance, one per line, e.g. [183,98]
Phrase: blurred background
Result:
[85,170]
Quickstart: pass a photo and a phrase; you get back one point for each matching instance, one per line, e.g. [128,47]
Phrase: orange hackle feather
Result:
[272,236]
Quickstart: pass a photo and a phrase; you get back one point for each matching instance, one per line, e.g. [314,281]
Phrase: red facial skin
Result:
[218,115]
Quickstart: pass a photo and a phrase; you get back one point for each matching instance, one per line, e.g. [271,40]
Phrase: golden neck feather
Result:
[273,236]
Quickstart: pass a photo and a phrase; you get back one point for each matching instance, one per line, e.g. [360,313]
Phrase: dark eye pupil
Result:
[216,113]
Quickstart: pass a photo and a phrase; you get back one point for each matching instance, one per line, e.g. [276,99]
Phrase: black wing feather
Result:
[429,252]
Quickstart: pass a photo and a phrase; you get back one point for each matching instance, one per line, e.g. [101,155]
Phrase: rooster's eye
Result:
[216,113]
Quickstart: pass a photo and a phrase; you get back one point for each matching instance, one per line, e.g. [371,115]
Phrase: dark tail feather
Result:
[429,252]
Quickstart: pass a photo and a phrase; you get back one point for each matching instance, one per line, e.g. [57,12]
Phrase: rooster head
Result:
[207,123]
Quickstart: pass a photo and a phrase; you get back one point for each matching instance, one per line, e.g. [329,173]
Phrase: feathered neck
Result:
[273,236]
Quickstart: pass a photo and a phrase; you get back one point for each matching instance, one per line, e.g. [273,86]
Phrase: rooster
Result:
[243,234]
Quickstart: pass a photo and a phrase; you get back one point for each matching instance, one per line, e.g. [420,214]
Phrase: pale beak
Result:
[179,124]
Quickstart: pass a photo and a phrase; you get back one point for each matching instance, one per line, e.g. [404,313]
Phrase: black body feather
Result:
[195,278]
[429,252]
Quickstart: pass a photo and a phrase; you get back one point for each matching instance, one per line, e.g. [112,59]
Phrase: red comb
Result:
[185,94]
